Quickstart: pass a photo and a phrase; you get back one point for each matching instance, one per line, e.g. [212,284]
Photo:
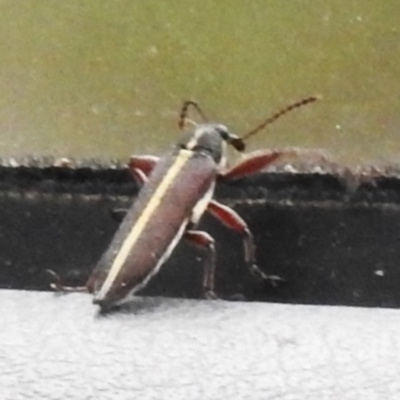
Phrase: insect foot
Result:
[210,295]
[272,280]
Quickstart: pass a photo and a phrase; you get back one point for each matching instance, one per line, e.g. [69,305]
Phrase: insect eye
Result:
[223,133]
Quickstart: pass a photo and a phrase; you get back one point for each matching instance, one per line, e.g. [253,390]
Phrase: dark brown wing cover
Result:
[191,183]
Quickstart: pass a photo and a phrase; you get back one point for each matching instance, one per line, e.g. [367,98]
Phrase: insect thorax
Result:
[207,138]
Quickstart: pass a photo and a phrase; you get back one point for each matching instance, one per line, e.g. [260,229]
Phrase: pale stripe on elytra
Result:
[131,239]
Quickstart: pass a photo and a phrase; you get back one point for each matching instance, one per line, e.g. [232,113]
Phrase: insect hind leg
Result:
[59,287]
[205,241]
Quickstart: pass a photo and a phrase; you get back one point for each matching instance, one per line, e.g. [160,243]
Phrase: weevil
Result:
[176,191]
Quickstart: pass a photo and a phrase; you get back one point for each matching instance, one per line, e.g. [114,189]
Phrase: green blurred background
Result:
[106,78]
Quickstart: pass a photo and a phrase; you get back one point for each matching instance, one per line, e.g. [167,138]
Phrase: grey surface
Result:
[58,347]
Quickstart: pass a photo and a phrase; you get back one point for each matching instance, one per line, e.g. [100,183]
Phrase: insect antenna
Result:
[184,112]
[279,114]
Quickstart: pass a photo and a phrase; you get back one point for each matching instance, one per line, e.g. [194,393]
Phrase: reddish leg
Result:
[204,240]
[140,177]
[232,220]
[258,160]
[141,167]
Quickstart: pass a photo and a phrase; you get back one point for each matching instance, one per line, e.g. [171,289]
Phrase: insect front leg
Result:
[205,241]
[233,221]
[258,160]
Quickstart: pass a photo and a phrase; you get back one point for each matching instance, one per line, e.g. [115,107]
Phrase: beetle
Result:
[176,191]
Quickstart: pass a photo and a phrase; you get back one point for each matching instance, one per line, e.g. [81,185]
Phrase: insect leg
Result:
[141,167]
[232,220]
[204,240]
[59,287]
[258,160]
[139,175]
[118,214]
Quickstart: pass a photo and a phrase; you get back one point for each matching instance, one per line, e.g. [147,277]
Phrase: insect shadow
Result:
[161,305]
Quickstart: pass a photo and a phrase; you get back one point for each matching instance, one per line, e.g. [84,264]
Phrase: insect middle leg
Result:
[233,221]
[205,241]
[141,166]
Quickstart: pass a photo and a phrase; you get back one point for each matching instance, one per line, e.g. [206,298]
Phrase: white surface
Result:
[57,347]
